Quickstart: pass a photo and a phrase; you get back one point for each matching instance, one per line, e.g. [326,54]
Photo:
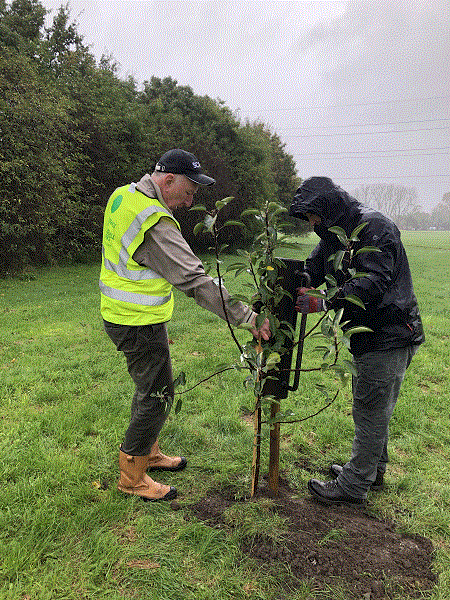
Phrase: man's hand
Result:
[263,332]
[306,303]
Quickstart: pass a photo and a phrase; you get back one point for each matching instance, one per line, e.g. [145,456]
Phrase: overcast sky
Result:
[358,91]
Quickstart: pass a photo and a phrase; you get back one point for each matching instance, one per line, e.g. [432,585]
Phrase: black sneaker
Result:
[376,486]
[329,492]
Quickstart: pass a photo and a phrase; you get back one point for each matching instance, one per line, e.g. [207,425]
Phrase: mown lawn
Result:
[66,533]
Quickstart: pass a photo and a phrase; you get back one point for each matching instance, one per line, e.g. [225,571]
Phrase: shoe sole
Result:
[329,502]
[179,467]
[171,495]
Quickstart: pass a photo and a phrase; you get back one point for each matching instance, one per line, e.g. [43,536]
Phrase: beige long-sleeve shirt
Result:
[165,251]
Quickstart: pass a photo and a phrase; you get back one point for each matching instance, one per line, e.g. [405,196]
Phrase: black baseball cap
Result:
[180,162]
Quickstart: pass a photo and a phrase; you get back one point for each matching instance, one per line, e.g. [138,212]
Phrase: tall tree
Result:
[397,202]
[39,192]
[440,215]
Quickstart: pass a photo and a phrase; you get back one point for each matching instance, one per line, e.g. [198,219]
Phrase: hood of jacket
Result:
[335,207]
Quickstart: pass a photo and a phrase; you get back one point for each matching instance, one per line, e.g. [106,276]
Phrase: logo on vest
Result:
[116,203]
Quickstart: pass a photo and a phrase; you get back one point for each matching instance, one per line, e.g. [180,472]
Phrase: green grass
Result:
[66,533]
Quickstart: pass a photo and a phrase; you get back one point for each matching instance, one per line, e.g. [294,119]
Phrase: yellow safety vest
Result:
[132,294]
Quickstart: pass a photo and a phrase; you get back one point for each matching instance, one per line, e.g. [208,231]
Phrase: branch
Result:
[309,416]
[206,379]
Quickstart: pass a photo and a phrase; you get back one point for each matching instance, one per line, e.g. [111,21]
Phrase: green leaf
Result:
[178,406]
[338,317]
[289,326]
[367,249]
[236,265]
[180,380]
[272,206]
[331,280]
[331,293]
[350,367]
[234,224]
[338,258]
[357,329]
[272,360]
[250,211]
[316,293]
[355,300]
[354,234]
[346,341]
[340,233]
[210,222]
[327,355]
[326,329]
[241,252]
[199,227]
[198,207]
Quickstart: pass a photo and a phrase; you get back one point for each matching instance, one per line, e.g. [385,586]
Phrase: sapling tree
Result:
[259,359]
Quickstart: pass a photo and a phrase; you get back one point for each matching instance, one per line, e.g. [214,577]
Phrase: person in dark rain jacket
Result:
[382,355]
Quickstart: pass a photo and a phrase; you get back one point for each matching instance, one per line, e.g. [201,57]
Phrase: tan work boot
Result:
[134,480]
[157,461]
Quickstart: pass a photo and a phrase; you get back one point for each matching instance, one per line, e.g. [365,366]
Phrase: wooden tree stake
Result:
[256,447]
[274,451]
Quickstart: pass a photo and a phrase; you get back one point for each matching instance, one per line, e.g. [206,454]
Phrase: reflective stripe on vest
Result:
[132,297]
[121,270]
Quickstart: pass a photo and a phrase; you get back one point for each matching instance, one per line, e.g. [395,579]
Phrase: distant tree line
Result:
[401,205]
[72,130]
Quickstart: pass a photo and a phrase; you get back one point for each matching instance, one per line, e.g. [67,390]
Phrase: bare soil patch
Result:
[333,547]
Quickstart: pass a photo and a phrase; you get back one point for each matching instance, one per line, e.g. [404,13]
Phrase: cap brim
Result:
[200,178]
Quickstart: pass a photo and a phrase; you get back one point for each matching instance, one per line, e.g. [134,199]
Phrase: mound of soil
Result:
[333,547]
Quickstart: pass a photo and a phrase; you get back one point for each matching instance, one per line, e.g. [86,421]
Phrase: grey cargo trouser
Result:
[146,349]
[375,391]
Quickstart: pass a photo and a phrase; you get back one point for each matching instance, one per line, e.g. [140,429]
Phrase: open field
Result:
[67,533]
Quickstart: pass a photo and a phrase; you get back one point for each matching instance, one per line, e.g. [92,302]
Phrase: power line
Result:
[396,152]
[317,157]
[398,101]
[362,177]
[362,125]
[331,156]
[367,132]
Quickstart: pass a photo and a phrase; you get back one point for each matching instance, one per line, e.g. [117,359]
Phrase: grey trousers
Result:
[146,349]
[375,391]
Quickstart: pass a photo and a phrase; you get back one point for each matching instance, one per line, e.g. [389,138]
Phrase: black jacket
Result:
[386,289]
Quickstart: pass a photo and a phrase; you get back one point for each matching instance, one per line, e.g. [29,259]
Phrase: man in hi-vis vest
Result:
[144,255]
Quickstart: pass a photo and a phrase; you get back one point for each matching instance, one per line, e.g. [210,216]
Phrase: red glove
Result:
[309,304]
